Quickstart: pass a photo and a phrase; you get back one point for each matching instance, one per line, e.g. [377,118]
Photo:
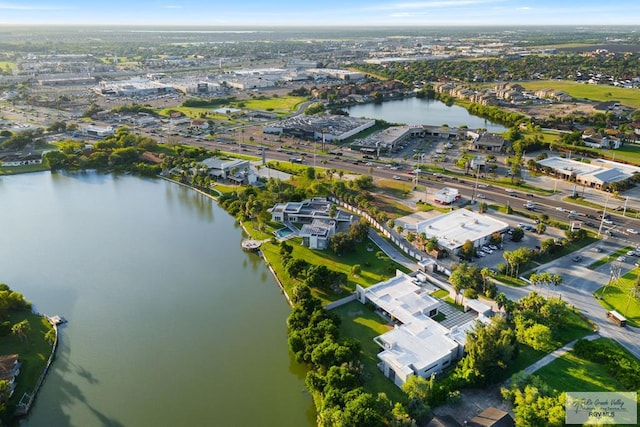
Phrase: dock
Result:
[251,245]
[57,320]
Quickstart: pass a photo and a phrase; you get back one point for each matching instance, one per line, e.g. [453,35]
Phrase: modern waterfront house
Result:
[418,344]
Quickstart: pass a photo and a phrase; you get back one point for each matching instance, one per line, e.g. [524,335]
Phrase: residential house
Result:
[9,370]
[236,170]
[317,234]
[417,345]
[492,417]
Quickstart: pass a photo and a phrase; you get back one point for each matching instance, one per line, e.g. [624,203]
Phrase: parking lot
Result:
[530,240]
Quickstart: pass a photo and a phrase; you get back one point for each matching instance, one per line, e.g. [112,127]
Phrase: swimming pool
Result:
[282,233]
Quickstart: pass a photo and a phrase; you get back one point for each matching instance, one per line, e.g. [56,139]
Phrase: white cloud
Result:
[172,6]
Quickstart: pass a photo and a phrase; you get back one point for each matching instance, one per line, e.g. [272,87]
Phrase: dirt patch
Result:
[547,110]
[473,402]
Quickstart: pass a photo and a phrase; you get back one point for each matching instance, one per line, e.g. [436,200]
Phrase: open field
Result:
[622,296]
[282,104]
[600,93]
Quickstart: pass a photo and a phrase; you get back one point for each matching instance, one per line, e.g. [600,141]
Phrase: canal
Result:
[170,323]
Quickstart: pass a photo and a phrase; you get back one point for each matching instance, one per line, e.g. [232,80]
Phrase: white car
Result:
[396,177]
[560,209]
[632,231]
[607,221]
[481,254]
[622,258]
[481,196]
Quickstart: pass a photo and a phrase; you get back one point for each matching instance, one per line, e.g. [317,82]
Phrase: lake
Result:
[419,111]
[170,323]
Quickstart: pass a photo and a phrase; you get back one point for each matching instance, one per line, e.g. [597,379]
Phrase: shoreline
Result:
[23,409]
[244,229]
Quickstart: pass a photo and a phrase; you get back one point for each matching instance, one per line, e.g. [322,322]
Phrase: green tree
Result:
[517,235]
[418,391]
[21,329]
[489,349]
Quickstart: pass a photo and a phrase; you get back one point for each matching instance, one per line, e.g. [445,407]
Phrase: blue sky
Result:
[323,12]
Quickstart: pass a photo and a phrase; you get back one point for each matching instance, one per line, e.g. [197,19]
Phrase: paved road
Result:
[579,283]
[392,252]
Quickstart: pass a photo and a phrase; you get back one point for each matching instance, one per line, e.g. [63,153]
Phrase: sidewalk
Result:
[555,354]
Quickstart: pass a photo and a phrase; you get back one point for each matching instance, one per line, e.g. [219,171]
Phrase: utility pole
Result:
[604,213]
[475,187]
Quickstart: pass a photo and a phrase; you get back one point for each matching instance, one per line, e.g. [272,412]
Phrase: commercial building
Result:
[133,87]
[97,131]
[388,139]
[486,141]
[417,345]
[446,196]
[599,173]
[329,127]
[454,228]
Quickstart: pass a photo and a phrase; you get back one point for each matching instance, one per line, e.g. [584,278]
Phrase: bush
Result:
[470,293]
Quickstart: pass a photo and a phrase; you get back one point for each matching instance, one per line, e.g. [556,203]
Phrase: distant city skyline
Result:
[325,13]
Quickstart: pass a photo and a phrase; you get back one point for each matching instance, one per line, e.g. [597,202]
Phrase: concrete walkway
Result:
[555,354]
[391,251]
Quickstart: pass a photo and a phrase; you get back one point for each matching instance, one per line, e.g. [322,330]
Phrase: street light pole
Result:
[604,213]
[475,187]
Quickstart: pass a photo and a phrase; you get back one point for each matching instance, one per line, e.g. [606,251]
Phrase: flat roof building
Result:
[596,174]
[452,229]
[331,127]
[418,345]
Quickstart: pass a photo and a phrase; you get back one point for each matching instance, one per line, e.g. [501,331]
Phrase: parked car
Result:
[493,247]
[632,231]
[577,258]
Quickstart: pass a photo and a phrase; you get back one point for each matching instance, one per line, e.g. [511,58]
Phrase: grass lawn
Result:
[361,324]
[619,296]
[566,249]
[14,170]
[33,352]
[574,326]
[281,104]
[510,281]
[374,270]
[597,93]
[440,293]
[572,373]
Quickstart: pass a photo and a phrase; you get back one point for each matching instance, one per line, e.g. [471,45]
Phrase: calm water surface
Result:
[170,323]
[416,111]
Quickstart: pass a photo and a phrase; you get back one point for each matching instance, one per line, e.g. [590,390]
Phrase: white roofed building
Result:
[454,228]
[596,174]
[417,345]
